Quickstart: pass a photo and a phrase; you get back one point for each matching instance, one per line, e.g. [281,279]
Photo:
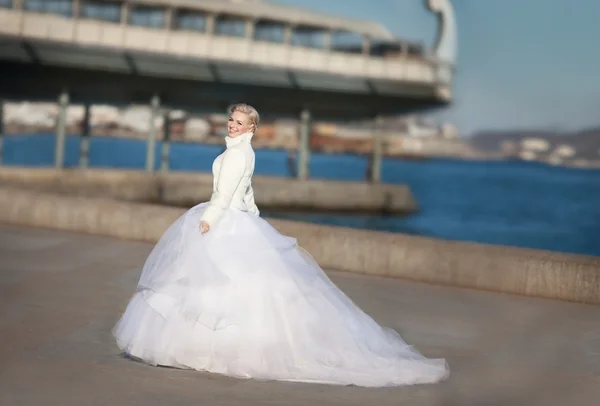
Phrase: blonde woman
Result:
[224,292]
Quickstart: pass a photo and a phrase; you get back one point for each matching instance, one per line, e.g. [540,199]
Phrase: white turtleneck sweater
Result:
[232,175]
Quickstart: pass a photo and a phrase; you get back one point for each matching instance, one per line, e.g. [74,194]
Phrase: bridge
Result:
[207,53]
[203,55]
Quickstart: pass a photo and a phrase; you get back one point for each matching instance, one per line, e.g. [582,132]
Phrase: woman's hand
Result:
[204,227]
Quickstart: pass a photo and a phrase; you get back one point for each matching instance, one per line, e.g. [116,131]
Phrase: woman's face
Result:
[239,123]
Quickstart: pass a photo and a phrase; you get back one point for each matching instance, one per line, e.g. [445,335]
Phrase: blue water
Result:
[510,203]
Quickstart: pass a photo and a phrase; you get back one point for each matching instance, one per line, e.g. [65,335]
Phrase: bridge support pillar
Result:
[151,147]
[84,146]
[377,150]
[61,130]
[303,156]
[1,130]
[166,144]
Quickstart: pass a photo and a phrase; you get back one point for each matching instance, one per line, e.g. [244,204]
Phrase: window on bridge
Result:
[416,49]
[190,20]
[101,10]
[147,16]
[270,31]
[396,49]
[346,41]
[389,49]
[62,7]
[6,3]
[309,37]
[230,26]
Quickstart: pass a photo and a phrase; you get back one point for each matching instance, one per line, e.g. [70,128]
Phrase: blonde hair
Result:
[247,109]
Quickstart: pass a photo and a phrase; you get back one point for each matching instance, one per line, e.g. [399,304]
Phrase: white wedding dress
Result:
[245,301]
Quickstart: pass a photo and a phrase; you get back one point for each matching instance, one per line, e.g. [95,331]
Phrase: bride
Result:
[222,291]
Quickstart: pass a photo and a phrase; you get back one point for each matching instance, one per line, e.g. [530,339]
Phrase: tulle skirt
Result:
[245,301]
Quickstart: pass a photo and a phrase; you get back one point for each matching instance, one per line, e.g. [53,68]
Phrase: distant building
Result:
[535,144]
[409,135]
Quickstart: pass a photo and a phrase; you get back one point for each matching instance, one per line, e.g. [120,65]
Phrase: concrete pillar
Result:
[327,40]
[125,7]
[84,146]
[377,150]
[404,49]
[249,28]
[61,130]
[76,8]
[166,144]
[18,4]
[366,45]
[304,145]
[169,18]
[151,148]
[287,34]
[1,130]
[210,24]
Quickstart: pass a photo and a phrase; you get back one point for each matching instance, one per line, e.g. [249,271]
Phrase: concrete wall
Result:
[495,268]
[186,189]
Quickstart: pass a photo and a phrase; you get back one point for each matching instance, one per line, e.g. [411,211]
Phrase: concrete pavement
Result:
[61,293]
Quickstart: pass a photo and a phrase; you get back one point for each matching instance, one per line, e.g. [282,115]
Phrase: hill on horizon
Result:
[586,142]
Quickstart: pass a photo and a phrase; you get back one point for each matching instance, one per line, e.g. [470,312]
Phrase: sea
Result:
[523,204]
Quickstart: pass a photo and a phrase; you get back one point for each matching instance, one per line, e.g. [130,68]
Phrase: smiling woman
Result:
[244,118]
[223,291]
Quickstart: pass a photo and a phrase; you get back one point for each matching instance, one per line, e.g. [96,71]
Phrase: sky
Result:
[522,64]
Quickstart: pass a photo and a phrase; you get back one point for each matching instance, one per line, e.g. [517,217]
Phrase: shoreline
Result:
[216,141]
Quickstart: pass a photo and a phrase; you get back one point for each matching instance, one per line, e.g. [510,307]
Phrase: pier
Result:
[62,292]
[185,189]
